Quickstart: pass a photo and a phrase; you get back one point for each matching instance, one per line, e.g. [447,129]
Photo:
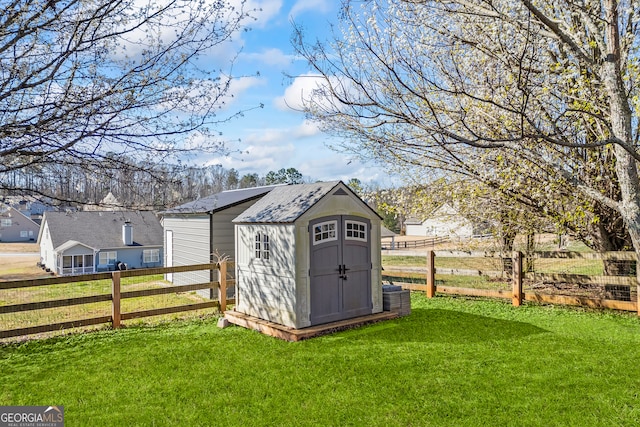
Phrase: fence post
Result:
[431,274]
[222,288]
[517,279]
[115,299]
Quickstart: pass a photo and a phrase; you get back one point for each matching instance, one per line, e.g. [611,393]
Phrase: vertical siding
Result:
[278,290]
[267,288]
[190,246]
[224,242]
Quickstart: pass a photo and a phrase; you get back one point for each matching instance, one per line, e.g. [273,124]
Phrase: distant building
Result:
[443,222]
[16,226]
[108,203]
[88,242]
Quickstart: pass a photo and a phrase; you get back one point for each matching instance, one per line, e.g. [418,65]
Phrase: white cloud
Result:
[301,88]
[301,6]
[262,11]
[271,56]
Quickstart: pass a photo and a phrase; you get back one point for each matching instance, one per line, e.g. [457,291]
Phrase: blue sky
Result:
[275,136]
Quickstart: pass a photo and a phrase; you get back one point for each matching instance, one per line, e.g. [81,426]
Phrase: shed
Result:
[194,232]
[307,255]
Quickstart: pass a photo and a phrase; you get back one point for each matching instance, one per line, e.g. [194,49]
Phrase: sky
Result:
[276,136]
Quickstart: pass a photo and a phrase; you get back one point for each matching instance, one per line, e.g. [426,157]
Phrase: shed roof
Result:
[103,229]
[220,201]
[287,203]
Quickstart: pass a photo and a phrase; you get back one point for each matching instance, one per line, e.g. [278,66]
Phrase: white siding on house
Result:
[47,256]
[445,221]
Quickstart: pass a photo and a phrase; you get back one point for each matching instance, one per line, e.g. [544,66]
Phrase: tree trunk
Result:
[621,125]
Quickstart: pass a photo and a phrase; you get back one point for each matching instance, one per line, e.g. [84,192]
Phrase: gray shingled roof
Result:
[103,229]
[220,201]
[286,204]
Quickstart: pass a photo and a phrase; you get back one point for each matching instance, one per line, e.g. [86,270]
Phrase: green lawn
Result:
[454,361]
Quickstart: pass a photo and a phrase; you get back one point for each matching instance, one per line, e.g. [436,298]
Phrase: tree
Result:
[249,180]
[86,83]
[536,100]
[284,176]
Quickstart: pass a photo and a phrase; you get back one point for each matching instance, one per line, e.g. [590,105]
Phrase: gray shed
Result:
[195,231]
[307,255]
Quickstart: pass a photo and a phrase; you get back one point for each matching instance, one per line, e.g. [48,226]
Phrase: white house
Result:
[308,254]
[444,221]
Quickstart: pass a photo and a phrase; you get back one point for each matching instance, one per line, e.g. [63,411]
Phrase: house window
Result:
[355,230]
[262,246]
[324,232]
[5,222]
[150,256]
[24,233]
[105,258]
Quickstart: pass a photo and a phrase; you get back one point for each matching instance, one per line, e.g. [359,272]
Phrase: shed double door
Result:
[340,273]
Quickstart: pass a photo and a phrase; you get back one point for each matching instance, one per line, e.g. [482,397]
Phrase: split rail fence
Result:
[12,297]
[413,244]
[516,292]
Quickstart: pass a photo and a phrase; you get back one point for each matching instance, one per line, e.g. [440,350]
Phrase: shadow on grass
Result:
[445,326]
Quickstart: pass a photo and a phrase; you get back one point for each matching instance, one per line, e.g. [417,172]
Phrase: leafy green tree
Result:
[284,176]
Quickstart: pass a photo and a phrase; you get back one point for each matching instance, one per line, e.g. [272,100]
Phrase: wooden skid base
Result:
[290,334]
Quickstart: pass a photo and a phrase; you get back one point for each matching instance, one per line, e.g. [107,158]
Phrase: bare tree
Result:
[537,100]
[93,83]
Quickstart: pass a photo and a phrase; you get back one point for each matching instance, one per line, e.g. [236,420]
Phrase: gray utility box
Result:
[396,300]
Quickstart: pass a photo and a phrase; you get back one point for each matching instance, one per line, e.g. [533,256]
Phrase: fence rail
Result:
[414,244]
[406,278]
[115,296]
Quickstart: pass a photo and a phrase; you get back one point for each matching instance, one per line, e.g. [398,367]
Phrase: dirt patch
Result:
[19,248]
[20,267]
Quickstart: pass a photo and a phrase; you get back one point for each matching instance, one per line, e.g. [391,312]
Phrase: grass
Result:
[451,362]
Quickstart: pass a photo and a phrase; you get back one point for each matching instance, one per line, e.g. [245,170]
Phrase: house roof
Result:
[287,203]
[220,201]
[103,229]
[385,232]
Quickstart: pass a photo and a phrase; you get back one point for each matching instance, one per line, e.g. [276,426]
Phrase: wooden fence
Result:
[516,293]
[115,296]
[414,244]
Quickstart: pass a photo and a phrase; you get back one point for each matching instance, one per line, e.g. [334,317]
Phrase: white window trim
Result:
[5,222]
[107,253]
[150,256]
[357,230]
[262,246]
[329,238]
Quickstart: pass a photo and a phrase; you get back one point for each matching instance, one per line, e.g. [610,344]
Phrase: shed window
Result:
[262,246]
[355,230]
[150,256]
[324,232]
